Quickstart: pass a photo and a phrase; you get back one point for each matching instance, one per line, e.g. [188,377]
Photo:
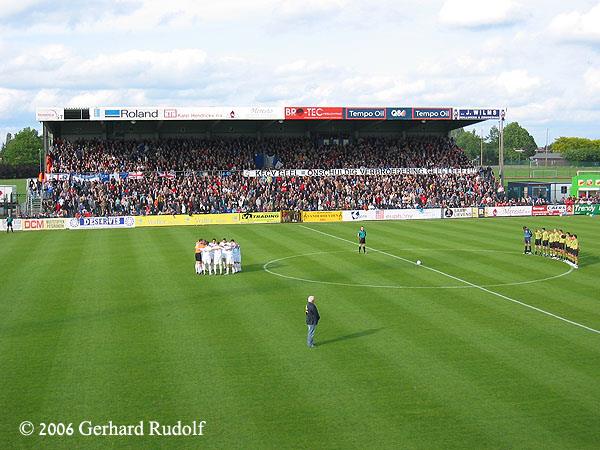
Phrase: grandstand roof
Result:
[144,120]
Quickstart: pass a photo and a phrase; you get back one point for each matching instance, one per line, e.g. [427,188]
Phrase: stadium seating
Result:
[184,176]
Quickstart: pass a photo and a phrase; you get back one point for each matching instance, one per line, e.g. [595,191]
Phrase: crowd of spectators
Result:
[195,183]
[95,156]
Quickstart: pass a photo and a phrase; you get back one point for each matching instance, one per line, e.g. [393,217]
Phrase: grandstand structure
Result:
[107,161]
[138,122]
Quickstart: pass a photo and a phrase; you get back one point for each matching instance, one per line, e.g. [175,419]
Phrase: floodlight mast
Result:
[501,151]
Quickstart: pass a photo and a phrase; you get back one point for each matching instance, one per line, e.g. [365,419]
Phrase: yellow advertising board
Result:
[321,216]
[182,220]
[260,217]
[42,224]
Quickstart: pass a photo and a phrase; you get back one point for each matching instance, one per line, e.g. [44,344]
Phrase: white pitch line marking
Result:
[395,286]
[484,289]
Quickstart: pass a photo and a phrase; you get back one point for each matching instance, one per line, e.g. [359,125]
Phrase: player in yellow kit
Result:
[575,249]
[555,238]
[562,238]
[538,241]
[545,248]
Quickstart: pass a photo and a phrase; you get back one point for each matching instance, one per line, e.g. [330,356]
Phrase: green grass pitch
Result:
[114,325]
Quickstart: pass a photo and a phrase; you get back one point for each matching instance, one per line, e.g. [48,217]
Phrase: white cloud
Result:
[133,68]
[517,82]
[591,78]
[479,13]
[335,52]
[11,7]
[13,101]
[577,26]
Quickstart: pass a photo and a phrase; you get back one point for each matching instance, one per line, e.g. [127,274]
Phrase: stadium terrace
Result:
[118,161]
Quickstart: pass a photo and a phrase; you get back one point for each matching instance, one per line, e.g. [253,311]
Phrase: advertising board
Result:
[89,223]
[313,113]
[412,214]
[459,213]
[321,216]
[43,224]
[188,113]
[391,214]
[50,114]
[478,113]
[260,217]
[365,113]
[507,211]
[584,210]
[398,113]
[432,113]
[183,220]
[551,210]
[360,214]
[16,225]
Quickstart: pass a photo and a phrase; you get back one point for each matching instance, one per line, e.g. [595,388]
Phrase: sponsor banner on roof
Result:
[432,113]
[478,113]
[224,113]
[188,113]
[365,113]
[50,114]
[361,171]
[400,113]
[313,113]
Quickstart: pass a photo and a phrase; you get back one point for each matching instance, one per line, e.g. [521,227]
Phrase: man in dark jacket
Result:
[312,319]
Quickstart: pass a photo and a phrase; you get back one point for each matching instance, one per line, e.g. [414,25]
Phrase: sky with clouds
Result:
[538,58]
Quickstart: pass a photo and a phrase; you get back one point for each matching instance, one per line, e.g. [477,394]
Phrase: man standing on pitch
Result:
[362,239]
[312,319]
[9,224]
[527,240]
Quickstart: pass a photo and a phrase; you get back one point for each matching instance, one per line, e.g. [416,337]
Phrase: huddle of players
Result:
[557,244]
[213,256]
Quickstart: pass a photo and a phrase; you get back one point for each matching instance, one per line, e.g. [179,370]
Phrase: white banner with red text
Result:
[552,210]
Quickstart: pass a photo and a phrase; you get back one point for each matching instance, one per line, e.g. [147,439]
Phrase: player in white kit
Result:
[237,257]
[227,256]
[207,259]
[217,252]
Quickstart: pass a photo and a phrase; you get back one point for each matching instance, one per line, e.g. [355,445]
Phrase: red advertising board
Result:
[552,210]
[313,113]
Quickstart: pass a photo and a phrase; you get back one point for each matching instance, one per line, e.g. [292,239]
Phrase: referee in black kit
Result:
[312,319]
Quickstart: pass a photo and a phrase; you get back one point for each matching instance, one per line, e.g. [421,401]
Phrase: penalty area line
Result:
[484,289]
